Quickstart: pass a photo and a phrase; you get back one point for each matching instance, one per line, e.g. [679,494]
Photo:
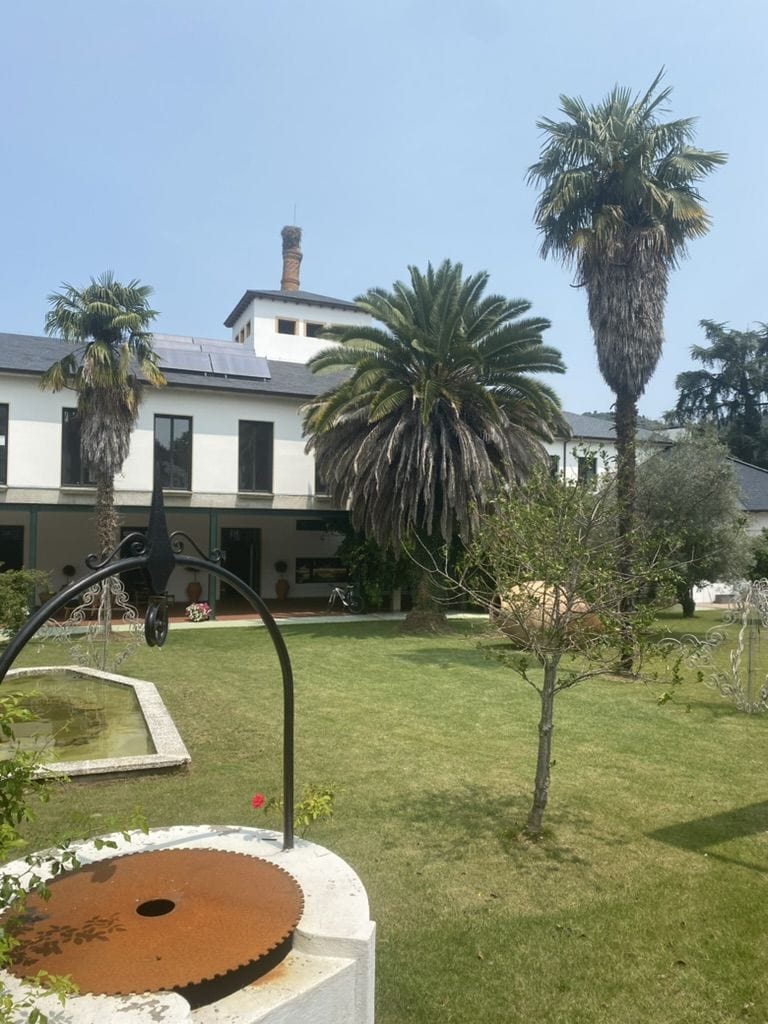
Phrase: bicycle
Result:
[350,597]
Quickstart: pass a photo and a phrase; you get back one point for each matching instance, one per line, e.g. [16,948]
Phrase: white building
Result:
[226,435]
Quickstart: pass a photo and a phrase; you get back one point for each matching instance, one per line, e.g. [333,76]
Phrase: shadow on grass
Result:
[343,630]
[446,657]
[702,834]
[477,814]
[718,709]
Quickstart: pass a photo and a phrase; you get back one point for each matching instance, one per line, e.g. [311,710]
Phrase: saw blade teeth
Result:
[201,913]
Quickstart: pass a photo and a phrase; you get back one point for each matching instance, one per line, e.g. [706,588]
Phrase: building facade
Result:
[224,437]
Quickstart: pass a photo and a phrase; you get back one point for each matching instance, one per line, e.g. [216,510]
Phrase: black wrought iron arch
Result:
[157,553]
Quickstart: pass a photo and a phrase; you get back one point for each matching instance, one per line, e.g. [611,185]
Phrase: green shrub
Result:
[16,590]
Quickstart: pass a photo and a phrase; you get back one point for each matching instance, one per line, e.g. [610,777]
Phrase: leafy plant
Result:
[16,586]
[316,803]
[544,563]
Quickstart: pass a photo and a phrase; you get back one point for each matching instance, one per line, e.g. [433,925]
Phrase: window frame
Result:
[586,470]
[86,471]
[286,320]
[271,475]
[320,328]
[174,416]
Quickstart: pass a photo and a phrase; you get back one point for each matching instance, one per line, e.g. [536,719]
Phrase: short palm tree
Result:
[619,201]
[108,323]
[438,401]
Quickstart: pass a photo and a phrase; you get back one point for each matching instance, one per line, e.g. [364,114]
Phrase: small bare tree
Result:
[544,562]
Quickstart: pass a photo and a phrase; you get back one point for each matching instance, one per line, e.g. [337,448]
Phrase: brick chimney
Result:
[291,258]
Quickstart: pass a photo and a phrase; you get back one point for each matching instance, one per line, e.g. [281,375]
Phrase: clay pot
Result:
[531,607]
[282,586]
[194,591]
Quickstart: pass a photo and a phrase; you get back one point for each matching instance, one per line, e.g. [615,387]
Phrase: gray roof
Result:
[305,298]
[593,428]
[753,482]
[26,353]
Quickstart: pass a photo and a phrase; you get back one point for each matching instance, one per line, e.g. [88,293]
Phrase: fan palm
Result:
[108,323]
[619,201]
[438,401]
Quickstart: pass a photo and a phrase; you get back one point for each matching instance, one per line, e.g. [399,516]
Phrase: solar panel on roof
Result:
[184,359]
[237,364]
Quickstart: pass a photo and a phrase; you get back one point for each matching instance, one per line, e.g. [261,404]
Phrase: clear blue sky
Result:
[170,139]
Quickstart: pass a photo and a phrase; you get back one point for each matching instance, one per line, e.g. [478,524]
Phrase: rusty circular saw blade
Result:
[166,919]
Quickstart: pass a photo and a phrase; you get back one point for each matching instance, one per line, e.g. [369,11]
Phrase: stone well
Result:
[325,976]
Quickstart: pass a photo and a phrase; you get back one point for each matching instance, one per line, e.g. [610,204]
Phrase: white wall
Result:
[568,453]
[34,440]
[34,431]
[291,348]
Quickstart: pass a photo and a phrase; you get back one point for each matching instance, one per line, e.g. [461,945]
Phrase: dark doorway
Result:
[11,547]
[242,556]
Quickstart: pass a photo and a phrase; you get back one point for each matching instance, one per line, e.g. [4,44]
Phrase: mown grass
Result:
[645,901]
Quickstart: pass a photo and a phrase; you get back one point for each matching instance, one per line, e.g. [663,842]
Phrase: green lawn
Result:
[645,903]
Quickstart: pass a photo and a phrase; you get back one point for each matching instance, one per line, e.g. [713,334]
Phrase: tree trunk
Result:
[544,757]
[106,516]
[106,536]
[626,489]
[685,597]
[426,615]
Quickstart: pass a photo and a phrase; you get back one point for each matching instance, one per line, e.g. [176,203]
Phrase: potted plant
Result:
[194,587]
[282,586]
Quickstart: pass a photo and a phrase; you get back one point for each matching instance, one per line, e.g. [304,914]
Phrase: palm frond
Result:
[430,414]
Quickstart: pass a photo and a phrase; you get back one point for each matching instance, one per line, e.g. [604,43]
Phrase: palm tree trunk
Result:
[427,615]
[106,516]
[626,491]
[544,757]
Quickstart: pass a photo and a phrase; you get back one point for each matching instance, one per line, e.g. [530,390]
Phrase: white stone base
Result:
[327,978]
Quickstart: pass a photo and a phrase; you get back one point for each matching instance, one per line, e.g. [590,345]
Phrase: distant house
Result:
[753,494]
[592,441]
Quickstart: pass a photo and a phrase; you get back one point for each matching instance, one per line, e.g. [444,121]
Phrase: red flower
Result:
[257,800]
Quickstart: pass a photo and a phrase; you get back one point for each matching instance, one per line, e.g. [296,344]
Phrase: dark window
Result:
[554,466]
[286,326]
[255,456]
[321,570]
[321,487]
[313,330]
[311,525]
[11,547]
[75,471]
[173,452]
[3,444]
[587,472]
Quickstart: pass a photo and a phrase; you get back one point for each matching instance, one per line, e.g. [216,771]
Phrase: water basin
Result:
[79,719]
[95,723]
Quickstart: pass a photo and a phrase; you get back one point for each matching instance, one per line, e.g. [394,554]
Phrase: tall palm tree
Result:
[437,402]
[619,202]
[108,323]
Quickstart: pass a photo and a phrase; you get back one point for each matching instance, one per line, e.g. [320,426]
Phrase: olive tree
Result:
[689,493]
[544,562]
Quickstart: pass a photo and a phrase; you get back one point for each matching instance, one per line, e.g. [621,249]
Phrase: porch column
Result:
[32,548]
[213,542]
